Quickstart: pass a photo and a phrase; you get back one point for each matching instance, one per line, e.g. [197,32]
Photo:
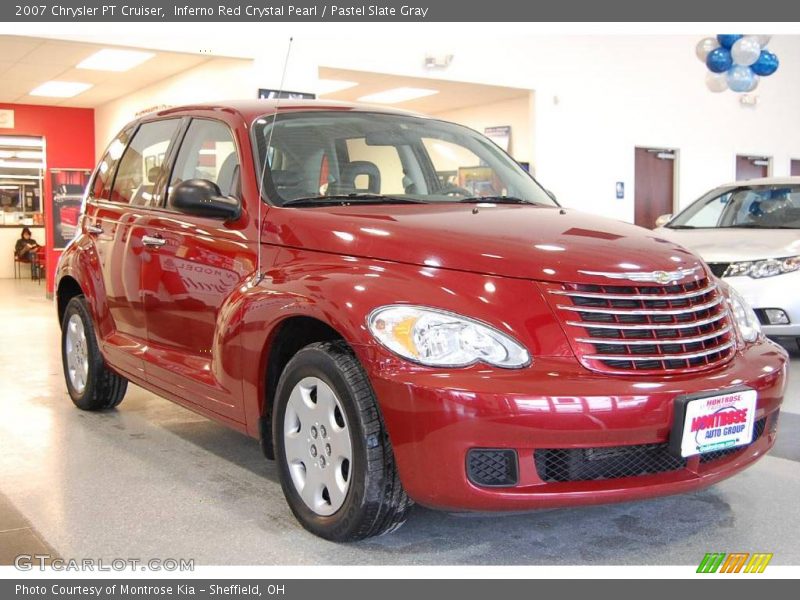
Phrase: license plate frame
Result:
[685,409]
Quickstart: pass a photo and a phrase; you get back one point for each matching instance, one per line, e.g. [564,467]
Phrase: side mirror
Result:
[663,220]
[203,198]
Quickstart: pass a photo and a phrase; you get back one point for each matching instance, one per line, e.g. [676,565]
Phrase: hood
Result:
[524,241]
[732,245]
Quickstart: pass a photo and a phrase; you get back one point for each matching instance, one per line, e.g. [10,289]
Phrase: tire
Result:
[324,399]
[90,383]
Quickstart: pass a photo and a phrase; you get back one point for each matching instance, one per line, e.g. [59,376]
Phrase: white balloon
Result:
[763,40]
[746,51]
[705,46]
[716,82]
[754,85]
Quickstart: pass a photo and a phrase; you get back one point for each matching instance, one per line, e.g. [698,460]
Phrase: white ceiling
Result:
[27,62]
[453,95]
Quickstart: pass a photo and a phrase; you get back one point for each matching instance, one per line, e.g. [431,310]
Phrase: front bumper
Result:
[773,292]
[434,417]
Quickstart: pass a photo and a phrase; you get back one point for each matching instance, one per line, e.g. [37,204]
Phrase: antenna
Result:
[259,274]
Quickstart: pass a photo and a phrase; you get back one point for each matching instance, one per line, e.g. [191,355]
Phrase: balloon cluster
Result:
[736,61]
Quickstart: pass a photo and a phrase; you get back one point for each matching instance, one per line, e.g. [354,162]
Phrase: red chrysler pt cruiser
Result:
[400,313]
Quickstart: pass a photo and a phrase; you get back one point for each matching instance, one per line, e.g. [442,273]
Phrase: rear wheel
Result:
[90,383]
[335,460]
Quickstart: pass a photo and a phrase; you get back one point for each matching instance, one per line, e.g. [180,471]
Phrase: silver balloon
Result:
[716,82]
[746,51]
[705,46]
[763,40]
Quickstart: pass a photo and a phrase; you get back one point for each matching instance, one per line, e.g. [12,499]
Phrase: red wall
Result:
[69,139]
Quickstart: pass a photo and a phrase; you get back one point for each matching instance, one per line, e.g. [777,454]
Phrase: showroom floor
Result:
[153,480]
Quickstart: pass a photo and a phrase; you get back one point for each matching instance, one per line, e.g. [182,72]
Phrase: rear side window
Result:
[142,161]
[101,186]
[208,152]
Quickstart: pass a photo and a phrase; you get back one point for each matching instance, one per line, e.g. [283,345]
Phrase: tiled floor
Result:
[153,480]
[17,536]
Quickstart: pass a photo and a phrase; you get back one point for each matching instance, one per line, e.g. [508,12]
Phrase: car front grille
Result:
[718,269]
[587,464]
[645,328]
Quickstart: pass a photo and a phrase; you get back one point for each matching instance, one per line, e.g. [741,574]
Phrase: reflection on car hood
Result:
[511,240]
[735,244]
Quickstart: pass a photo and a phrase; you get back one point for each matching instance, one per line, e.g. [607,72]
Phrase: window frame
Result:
[178,146]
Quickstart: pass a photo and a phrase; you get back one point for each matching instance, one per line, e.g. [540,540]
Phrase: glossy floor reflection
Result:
[153,480]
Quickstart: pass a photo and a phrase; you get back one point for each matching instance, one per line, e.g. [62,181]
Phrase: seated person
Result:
[26,246]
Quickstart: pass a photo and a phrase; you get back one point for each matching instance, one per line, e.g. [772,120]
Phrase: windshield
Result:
[326,156]
[757,207]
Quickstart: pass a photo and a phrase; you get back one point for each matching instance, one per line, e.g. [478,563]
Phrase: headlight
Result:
[438,338]
[763,268]
[744,316]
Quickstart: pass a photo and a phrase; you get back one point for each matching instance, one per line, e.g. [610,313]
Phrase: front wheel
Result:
[335,460]
[91,384]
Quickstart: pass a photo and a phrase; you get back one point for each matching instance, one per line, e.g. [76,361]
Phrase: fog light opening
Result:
[775,316]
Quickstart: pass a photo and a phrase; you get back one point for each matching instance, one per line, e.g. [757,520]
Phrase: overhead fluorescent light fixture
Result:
[60,89]
[331,86]
[115,60]
[397,95]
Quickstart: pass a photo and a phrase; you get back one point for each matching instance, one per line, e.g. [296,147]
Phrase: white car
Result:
[749,234]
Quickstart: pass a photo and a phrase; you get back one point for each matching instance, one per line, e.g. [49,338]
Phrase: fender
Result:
[341,291]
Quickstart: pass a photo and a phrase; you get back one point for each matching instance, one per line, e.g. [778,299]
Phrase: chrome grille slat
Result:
[643,357]
[602,296]
[637,327]
[643,311]
[651,341]
[688,324]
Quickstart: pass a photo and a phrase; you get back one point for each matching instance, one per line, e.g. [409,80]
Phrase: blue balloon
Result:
[766,64]
[719,60]
[740,78]
[727,40]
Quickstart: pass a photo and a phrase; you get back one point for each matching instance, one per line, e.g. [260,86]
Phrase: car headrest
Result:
[362,167]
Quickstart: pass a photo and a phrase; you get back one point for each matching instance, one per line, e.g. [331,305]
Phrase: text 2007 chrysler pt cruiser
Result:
[402,314]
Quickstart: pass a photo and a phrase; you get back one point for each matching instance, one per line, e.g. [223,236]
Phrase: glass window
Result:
[208,152]
[101,186]
[316,156]
[142,161]
[765,207]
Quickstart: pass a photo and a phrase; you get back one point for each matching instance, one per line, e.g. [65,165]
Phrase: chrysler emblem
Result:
[662,277]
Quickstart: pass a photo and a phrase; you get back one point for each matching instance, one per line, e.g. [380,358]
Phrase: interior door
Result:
[654,182]
[751,167]
[190,266]
[794,168]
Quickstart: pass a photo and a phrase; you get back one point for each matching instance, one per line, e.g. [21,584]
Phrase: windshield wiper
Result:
[680,227]
[355,198]
[757,226]
[494,200]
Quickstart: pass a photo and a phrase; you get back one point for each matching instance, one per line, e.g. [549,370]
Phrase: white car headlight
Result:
[758,269]
[438,338]
[744,316]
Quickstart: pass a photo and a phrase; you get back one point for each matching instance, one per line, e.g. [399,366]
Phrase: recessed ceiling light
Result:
[60,89]
[395,95]
[330,86]
[110,59]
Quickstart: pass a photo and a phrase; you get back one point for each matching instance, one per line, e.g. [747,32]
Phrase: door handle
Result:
[150,240]
[94,229]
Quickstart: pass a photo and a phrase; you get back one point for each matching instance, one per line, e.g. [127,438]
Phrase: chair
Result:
[18,262]
[37,264]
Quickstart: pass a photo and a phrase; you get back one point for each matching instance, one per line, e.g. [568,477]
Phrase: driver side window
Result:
[208,152]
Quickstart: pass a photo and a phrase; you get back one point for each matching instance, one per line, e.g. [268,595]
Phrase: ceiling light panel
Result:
[110,59]
[397,95]
[60,89]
